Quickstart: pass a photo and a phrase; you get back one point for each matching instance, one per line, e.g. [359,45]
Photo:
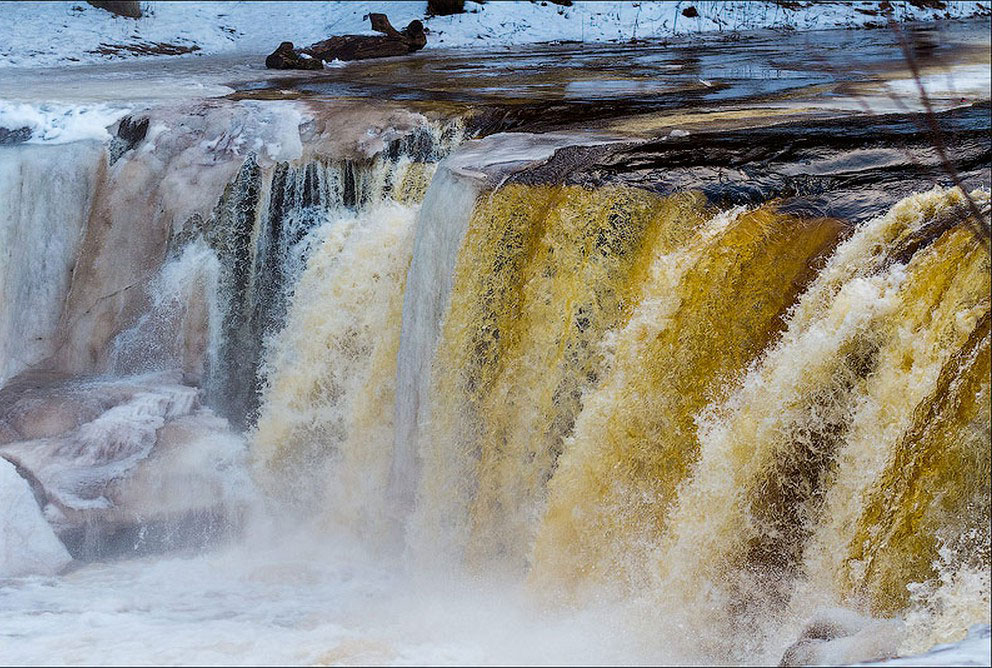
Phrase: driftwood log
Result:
[391,42]
[285,57]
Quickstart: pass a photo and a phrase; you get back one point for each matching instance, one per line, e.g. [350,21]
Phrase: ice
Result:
[28,546]
[974,650]
[60,123]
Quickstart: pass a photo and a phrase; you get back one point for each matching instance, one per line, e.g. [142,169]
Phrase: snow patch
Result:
[60,123]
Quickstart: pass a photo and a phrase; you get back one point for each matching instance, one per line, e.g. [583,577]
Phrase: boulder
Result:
[115,466]
[836,636]
[285,57]
[14,136]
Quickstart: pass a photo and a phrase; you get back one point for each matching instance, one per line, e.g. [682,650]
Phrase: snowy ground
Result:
[44,34]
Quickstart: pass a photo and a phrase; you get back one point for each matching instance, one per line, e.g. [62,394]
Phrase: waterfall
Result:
[162,264]
[324,436]
[440,227]
[723,426]
[743,415]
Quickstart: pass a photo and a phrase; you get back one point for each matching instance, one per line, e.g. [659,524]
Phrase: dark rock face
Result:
[15,136]
[445,7]
[285,57]
[130,132]
[392,42]
[849,169]
[690,12]
[128,8]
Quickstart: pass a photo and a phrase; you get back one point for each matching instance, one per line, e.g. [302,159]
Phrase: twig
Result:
[980,226]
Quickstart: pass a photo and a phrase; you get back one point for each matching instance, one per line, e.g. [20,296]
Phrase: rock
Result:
[46,417]
[15,136]
[28,545]
[124,466]
[129,8]
[359,47]
[130,132]
[7,433]
[690,12]
[182,496]
[445,7]
[285,57]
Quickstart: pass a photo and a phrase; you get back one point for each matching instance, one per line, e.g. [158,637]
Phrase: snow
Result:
[974,650]
[44,34]
[28,546]
[60,123]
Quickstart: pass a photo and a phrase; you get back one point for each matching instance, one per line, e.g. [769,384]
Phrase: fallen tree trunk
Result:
[392,42]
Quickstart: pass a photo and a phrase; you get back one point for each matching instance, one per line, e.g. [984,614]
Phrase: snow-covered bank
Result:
[43,34]
[974,650]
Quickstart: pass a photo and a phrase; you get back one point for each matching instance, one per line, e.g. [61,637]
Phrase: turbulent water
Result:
[379,401]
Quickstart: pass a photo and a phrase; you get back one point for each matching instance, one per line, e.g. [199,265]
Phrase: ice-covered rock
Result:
[28,545]
[131,464]
[974,650]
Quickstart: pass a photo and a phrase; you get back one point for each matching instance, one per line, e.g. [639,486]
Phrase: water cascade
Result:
[715,422]
[741,414]
[122,318]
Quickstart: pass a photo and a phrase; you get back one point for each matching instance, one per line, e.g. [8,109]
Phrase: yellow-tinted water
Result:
[740,415]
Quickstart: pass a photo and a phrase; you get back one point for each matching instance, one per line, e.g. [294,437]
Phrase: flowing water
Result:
[323,384]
